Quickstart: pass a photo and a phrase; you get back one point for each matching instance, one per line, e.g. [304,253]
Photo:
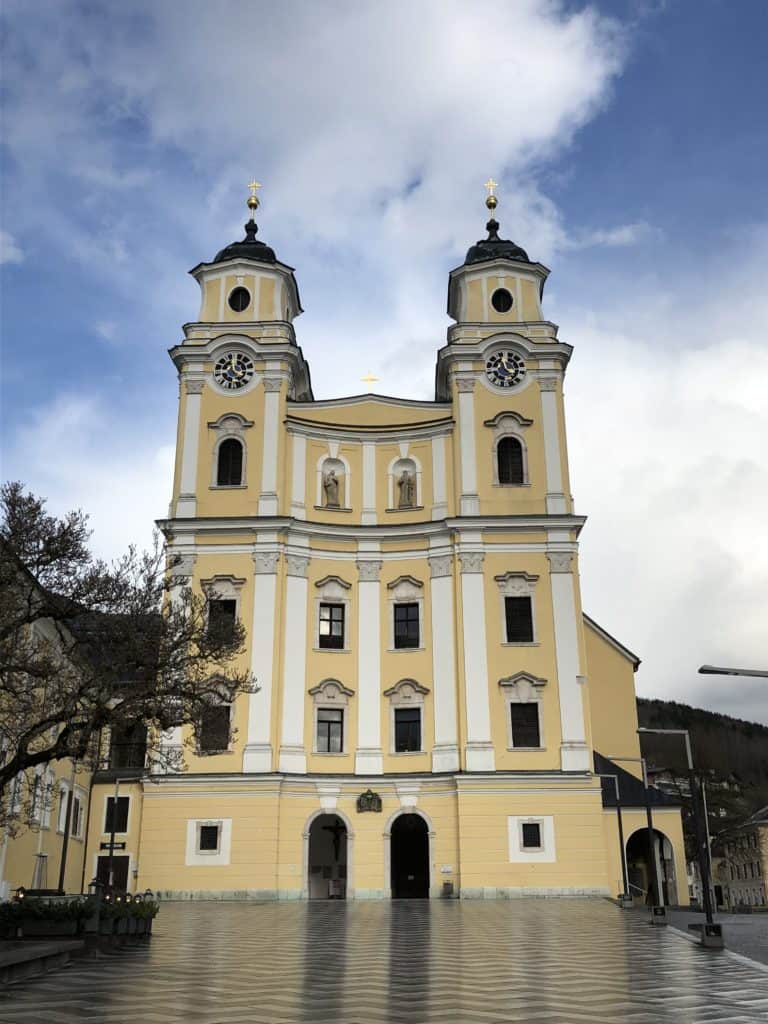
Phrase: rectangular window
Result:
[62,819]
[222,614]
[407,729]
[331,625]
[121,818]
[330,730]
[213,730]
[531,835]
[407,625]
[519,616]
[77,818]
[525,725]
[209,839]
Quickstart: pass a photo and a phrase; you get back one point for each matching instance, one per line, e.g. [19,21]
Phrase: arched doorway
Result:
[327,861]
[409,857]
[640,867]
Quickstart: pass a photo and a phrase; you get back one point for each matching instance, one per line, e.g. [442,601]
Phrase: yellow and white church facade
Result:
[431,695]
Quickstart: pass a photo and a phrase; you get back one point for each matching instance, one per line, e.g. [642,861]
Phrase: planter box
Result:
[40,929]
[132,926]
[122,926]
[106,926]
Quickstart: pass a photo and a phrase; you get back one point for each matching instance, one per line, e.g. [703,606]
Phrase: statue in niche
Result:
[407,487]
[331,488]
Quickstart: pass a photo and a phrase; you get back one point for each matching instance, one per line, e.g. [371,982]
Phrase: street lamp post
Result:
[712,933]
[714,670]
[625,897]
[658,914]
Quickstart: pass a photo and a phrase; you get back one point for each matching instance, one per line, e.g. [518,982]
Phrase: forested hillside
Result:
[731,748]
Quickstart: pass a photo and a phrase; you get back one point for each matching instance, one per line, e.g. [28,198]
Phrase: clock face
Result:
[505,369]
[233,370]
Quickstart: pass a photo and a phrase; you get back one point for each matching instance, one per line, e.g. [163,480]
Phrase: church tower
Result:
[432,701]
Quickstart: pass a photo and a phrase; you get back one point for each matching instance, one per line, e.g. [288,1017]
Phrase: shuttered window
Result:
[519,616]
[525,725]
[230,467]
[510,458]
[213,732]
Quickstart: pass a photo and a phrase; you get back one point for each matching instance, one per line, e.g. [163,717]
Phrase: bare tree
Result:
[87,647]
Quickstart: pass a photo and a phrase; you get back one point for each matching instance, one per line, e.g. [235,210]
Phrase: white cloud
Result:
[80,453]
[624,234]
[667,443]
[10,250]
[106,329]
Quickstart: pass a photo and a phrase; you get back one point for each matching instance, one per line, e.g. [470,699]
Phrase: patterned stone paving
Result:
[537,961]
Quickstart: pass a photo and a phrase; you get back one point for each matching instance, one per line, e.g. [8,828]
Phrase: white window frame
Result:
[405,590]
[517,584]
[79,806]
[407,693]
[61,814]
[523,688]
[331,694]
[222,587]
[546,853]
[195,857]
[231,424]
[509,424]
[332,590]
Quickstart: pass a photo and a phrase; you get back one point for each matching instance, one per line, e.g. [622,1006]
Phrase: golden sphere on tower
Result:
[491,202]
[253,202]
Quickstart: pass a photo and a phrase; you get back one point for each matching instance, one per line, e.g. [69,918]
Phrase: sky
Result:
[630,143]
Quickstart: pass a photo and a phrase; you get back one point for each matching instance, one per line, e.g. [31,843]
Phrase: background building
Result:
[431,695]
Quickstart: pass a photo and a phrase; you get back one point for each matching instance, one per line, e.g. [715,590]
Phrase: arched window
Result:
[510,460]
[230,466]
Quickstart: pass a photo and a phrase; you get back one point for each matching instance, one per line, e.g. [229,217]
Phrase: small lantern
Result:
[21,892]
[107,897]
[128,898]
[148,894]
[138,898]
[118,898]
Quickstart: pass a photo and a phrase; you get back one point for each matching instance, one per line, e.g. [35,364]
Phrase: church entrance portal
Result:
[327,858]
[641,870]
[409,857]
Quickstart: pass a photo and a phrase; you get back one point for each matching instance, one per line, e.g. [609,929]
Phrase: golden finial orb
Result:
[492,200]
[253,199]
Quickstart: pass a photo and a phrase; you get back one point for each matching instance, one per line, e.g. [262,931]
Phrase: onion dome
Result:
[493,247]
[251,248]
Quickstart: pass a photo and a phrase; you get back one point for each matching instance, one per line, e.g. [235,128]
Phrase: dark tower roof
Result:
[251,248]
[493,247]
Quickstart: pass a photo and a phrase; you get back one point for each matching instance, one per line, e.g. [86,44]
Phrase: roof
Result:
[616,644]
[493,247]
[250,248]
[631,789]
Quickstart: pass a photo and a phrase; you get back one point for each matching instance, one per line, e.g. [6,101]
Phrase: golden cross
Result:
[491,185]
[254,186]
[369,378]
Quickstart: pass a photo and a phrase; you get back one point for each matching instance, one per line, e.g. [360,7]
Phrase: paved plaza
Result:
[538,961]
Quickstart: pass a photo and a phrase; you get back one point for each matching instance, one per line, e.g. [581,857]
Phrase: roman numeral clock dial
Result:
[233,370]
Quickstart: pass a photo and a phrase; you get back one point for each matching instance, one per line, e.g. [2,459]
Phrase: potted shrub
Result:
[10,919]
[49,918]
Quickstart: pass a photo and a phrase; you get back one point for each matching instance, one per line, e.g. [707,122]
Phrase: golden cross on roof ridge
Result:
[369,378]
[254,186]
[490,185]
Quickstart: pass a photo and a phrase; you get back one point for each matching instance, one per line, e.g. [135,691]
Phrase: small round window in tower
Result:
[240,300]
[501,300]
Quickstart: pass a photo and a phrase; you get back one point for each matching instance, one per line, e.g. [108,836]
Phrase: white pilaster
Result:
[187,503]
[257,756]
[469,504]
[553,466]
[369,484]
[368,757]
[268,496]
[439,489]
[574,753]
[293,756]
[479,749]
[299,479]
[445,754]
